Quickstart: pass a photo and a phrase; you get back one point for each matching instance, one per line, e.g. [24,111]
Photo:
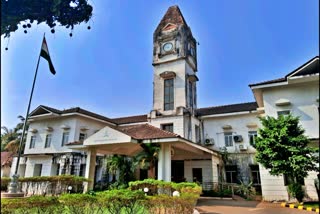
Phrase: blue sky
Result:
[108,69]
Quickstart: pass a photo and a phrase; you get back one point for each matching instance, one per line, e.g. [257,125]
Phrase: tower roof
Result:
[173,16]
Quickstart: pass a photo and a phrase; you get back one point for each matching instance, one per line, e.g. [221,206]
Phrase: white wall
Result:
[303,98]
[176,120]
[213,129]
[205,165]
[75,123]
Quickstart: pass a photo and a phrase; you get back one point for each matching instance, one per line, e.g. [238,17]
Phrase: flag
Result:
[45,54]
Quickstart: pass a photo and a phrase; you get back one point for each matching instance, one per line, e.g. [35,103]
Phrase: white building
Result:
[70,141]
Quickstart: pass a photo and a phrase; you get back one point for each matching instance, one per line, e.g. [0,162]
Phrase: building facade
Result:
[192,139]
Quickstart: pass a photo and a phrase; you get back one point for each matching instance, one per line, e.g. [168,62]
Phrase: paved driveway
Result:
[211,206]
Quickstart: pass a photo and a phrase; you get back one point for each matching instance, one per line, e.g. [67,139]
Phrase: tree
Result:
[67,13]
[148,157]
[124,165]
[10,138]
[283,148]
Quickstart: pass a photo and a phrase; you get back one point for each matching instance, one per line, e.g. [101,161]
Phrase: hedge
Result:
[43,185]
[124,201]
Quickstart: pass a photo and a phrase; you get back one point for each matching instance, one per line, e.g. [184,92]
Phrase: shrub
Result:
[295,190]
[35,204]
[78,203]
[171,205]
[4,183]
[121,201]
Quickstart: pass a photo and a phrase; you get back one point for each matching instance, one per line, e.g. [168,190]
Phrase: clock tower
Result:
[175,68]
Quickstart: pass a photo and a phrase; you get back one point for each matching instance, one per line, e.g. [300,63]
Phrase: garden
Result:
[147,196]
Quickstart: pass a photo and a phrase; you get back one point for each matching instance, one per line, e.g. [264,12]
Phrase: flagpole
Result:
[14,184]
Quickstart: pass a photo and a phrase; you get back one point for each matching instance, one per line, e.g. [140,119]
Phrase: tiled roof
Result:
[131,119]
[40,111]
[145,131]
[6,158]
[312,68]
[173,16]
[251,106]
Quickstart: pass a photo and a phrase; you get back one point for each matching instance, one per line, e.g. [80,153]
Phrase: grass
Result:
[313,204]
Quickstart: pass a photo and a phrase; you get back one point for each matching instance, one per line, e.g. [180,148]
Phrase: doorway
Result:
[177,171]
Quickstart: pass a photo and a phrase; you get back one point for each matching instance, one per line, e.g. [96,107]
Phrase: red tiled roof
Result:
[131,119]
[227,109]
[173,16]
[145,131]
[6,158]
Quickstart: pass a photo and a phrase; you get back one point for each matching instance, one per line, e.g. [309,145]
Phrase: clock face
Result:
[167,46]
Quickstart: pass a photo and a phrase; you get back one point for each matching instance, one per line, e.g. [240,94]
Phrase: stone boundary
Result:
[300,207]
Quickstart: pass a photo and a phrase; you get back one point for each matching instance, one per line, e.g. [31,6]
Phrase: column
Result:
[215,162]
[90,168]
[164,162]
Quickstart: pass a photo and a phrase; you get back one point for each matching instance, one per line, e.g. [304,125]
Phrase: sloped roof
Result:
[250,106]
[6,158]
[173,16]
[145,131]
[131,119]
[312,68]
[43,110]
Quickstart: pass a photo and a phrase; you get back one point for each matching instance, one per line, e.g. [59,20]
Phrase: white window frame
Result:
[48,141]
[228,139]
[32,142]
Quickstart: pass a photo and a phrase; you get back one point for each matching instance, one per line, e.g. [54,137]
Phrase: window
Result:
[82,136]
[58,169]
[65,138]
[37,170]
[82,170]
[190,97]
[231,173]
[228,139]
[168,94]
[48,141]
[32,141]
[255,174]
[167,127]
[197,131]
[285,112]
[252,135]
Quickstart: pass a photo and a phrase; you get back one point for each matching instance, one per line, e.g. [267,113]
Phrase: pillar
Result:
[214,163]
[164,162]
[90,168]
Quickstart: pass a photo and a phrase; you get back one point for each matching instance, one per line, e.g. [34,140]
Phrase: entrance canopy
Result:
[126,140]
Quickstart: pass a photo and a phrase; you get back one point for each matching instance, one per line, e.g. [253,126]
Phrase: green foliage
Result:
[283,148]
[219,193]
[171,205]
[10,138]
[295,190]
[121,201]
[4,183]
[163,187]
[51,12]
[124,201]
[35,204]
[246,190]
[147,158]
[124,165]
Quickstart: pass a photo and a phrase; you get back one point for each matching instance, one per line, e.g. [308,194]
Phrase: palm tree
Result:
[10,138]
[122,164]
[148,157]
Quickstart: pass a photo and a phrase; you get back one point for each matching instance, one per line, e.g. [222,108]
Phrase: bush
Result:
[4,183]
[220,193]
[171,205]
[78,203]
[121,201]
[35,204]
[295,190]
